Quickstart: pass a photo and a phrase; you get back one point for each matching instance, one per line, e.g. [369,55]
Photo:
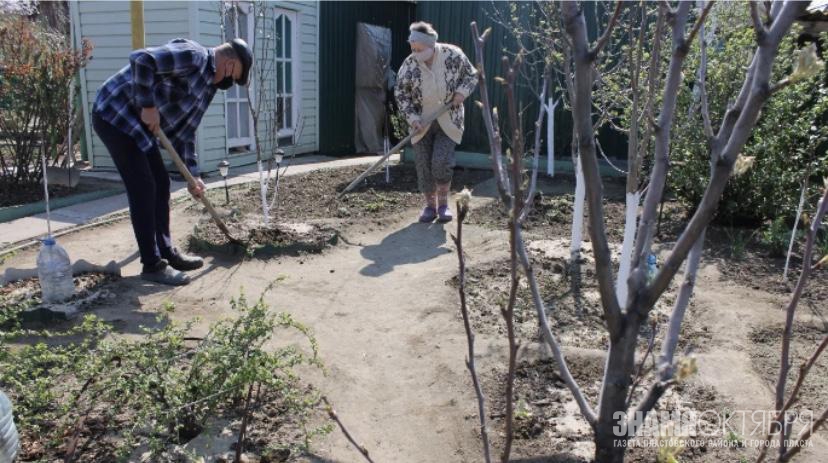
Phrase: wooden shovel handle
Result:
[182,168]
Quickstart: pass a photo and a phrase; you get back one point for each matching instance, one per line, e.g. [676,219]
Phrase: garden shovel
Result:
[397,147]
[192,183]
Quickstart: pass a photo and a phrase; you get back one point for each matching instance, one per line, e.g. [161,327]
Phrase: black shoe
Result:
[164,274]
[183,262]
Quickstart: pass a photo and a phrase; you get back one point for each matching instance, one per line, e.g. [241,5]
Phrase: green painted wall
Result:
[337,47]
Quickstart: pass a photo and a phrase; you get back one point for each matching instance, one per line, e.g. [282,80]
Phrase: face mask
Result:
[424,55]
[225,83]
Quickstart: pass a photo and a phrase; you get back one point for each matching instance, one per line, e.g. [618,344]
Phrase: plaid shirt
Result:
[177,79]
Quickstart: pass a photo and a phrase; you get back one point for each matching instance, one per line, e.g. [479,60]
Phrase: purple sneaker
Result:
[428,215]
[444,214]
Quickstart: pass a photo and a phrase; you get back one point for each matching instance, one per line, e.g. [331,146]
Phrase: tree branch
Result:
[744,120]
[757,21]
[658,178]
[333,415]
[488,116]
[699,22]
[602,41]
[462,210]
[530,195]
[705,108]
[805,435]
[582,121]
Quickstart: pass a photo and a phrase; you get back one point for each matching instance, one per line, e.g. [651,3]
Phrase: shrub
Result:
[788,142]
[37,67]
[159,389]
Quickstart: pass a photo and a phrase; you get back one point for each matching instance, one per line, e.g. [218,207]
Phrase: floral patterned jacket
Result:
[420,90]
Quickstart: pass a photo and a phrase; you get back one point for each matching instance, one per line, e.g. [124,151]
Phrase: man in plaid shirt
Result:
[162,88]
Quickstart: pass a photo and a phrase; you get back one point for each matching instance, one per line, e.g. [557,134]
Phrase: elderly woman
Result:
[434,74]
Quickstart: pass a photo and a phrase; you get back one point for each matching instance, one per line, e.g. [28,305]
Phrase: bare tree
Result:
[625,318]
[781,426]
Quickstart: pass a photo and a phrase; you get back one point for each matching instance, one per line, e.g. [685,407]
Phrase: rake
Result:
[393,150]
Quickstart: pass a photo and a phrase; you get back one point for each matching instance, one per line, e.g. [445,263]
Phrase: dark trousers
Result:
[148,190]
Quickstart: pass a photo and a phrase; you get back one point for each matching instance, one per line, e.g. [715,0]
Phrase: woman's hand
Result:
[457,100]
[416,127]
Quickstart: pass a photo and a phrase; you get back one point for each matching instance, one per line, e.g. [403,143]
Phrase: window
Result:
[286,71]
[238,23]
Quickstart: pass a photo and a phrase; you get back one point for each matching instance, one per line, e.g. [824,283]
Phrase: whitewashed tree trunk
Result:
[793,232]
[550,137]
[630,225]
[578,211]
[263,191]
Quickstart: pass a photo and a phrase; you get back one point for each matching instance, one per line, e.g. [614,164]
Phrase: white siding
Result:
[107,25]
[212,141]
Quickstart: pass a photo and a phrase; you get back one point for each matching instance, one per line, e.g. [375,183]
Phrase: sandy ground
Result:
[389,331]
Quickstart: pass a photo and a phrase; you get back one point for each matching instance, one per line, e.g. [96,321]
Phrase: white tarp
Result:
[373,59]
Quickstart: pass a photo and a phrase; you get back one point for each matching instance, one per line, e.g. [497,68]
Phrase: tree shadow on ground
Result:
[416,243]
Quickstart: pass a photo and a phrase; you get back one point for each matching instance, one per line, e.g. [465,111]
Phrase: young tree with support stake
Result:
[726,137]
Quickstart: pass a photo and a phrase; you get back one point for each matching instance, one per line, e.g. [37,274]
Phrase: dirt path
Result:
[389,332]
[380,308]
[733,312]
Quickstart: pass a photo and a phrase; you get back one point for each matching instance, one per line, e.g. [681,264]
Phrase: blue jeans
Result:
[148,190]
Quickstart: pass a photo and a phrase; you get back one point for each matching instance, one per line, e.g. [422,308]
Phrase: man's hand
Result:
[457,100]
[198,190]
[151,118]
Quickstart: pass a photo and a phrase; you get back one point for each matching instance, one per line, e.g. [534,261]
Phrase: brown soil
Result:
[24,194]
[548,423]
[389,331]
[767,342]
[307,217]
[24,295]
[261,240]
[310,196]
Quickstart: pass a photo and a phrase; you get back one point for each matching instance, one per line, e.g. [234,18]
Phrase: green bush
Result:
[37,67]
[159,389]
[788,141]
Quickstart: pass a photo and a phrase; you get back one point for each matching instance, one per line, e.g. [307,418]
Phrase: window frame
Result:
[249,141]
[294,61]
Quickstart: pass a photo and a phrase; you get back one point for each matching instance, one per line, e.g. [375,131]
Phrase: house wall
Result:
[107,25]
[337,52]
[212,141]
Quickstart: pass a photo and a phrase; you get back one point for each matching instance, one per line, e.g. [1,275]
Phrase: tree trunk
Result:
[610,430]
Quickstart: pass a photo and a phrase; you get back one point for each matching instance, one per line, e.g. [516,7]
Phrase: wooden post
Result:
[136,10]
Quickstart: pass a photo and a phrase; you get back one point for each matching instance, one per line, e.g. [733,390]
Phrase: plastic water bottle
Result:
[9,440]
[55,272]
[652,268]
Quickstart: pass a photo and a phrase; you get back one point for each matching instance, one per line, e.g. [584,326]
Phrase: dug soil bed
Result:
[766,354]
[312,195]
[548,421]
[572,301]
[260,240]
[757,270]
[31,193]
[20,301]
[307,217]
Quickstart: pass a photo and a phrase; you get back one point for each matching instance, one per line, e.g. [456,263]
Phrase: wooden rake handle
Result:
[182,168]
[393,150]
